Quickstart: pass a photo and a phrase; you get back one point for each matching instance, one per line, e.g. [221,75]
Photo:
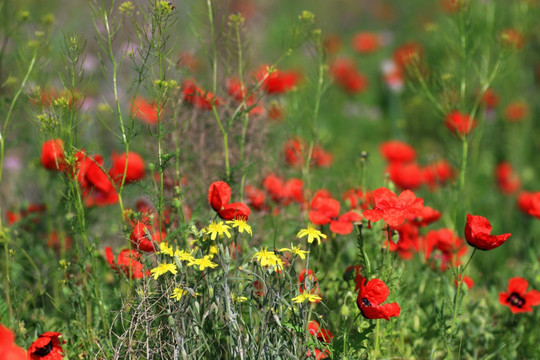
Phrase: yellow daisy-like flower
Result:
[295,250]
[217,228]
[312,234]
[242,226]
[178,293]
[306,296]
[268,258]
[183,255]
[213,250]
[163,269]
[239,299]
[165,248]
[203,263]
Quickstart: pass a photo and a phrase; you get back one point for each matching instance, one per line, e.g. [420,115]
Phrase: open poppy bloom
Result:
[277,81]
[199,98]
[507,179]
[52,155]
[219,195]
[529,202]
[477,233]
[438,173]
[256,197]
[408,54]
[325,210]
[425,217]
[397,151]
[323,336]
[144,111]
[46,347]
[370,298]
[347,77]
[8,349]
[444,247]
[127,262]
[517,297]
[366,42]
[393,209]
[134,170]
[406,175]
[467,280]
[460,123]
[143,239]
[407,243]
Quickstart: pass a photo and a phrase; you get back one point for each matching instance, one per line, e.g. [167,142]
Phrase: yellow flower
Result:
[213,250]
[183,255]
[163,269]
[166,249]
[312,233]
[203,263]
[178,293]
[268,258]
[239,299]
[242,226]
[217,228]
[296,251]
[306,296]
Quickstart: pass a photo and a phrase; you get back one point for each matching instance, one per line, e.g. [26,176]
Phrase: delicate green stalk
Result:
[8,280]
[377,333]
[214,49]
[463,168]
[457,304]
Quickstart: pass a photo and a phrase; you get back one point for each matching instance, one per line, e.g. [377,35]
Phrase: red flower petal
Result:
[385,311]
[375,291]
[238,211]
[219,195]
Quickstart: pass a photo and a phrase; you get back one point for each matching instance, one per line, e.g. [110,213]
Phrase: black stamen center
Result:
[516,300]
[366,302]
[42,351]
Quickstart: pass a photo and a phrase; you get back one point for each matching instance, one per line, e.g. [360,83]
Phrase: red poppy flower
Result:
[46,347]
[127,263]
[490,98]
[366,42]
[445,247]
[507,179]
[309,283]
[512,38]
[397,151]
[134,171]
[276,112]
[438,173]
[189,61]
[358,199]
[477,233]
[518,298]
[425,217]
[516,111]
[407,243]
[460,123]
[294,152]
[277,82]
[320,157]
[52,155]
[256,197]
[95,183]
[32,213]
[199,98]
[144,111]
[452,6]
[408,54]
[347,77]
[370,298]
[467,280]
[8,349]
[219,194]
[323,335]
[529,203]
[393,209]
[325,210]
[406,175]
[143,238]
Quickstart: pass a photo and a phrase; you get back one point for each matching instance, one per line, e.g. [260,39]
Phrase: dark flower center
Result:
[365,302]
[45,350]
[516,300]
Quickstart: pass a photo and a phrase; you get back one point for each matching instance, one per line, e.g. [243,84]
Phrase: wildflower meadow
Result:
[251,179]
